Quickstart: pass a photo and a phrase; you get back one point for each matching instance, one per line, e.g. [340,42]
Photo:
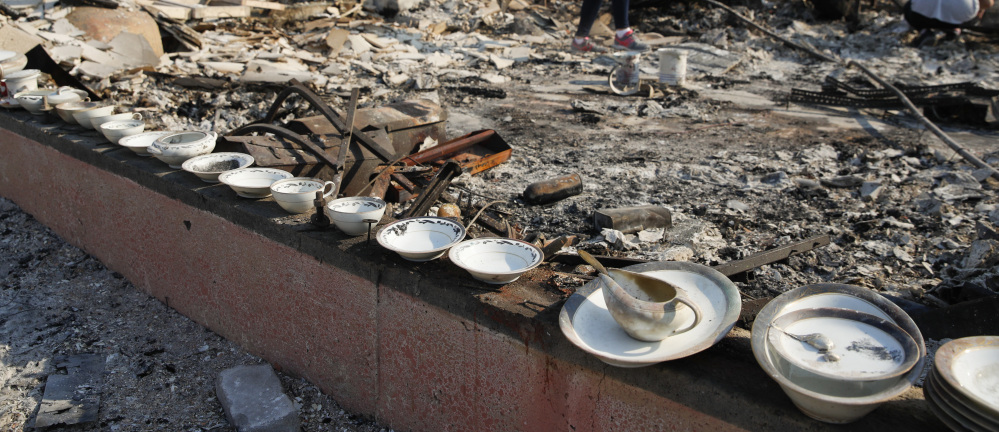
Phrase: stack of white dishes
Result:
[962,388]
[838,351]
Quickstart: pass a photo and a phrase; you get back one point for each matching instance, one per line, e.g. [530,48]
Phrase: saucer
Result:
[585,321]
[9,103]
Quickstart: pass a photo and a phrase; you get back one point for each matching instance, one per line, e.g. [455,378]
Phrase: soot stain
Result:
[874,350]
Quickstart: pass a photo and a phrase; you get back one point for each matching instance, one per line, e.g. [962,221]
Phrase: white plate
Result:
[945,398]
[585,321]
[971,367]
[868,348]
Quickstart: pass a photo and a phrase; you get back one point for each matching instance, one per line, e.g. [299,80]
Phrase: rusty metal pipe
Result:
[447,150]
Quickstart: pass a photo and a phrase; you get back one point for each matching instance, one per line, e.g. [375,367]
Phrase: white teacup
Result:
[118,129]
[22,80]
[297,194]
[96,122]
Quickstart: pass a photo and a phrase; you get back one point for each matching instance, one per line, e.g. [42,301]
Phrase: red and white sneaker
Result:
[629,42]
[586,45]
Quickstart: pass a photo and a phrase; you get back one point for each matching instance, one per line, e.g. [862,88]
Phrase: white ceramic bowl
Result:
[84,117]
[818,404]
[33,100]
[139,143]
[421,238]
[178,147]
[22,80]
[496,260]
[253,182]
[298,194]
[66,110]
[208,167]
[349,214]
[114,131]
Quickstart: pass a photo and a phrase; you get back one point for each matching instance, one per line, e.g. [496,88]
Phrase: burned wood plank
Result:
[734,268]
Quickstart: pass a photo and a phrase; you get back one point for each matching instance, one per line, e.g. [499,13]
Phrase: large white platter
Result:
[585,321]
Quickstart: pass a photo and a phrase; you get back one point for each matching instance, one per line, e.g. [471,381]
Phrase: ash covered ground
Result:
[740,171]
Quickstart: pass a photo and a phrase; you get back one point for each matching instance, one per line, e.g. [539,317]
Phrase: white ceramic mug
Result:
[297,194]
[22,80]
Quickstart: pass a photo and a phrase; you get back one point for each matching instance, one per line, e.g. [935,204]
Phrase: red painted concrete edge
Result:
[328,339]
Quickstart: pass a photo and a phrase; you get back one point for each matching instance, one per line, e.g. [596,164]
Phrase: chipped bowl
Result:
[139,143]
[298,194]
[178,147]
[496,260]
[421,238]
[349,214]
[208,167]
[253,182]
[83,117]
[114,131]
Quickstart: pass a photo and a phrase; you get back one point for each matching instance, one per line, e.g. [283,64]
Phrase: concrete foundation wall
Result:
[416,346]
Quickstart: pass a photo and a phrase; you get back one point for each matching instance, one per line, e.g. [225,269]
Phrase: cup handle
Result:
[154,150]
[137,116]
[682,298]
[330,185]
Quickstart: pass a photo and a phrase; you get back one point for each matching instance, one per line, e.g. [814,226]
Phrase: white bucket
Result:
[672,66]
[22,80]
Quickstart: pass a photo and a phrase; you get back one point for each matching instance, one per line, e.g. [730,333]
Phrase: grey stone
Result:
[871,190]
[981,254]
[253,400]
[842,181]
[775,178]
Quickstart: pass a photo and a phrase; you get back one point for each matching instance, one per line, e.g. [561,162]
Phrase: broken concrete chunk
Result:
[500,62]
[105,24]
[358,44]
[133,50]
[336,39]
[96,70]
[75,397]
[618,240]
[253,400]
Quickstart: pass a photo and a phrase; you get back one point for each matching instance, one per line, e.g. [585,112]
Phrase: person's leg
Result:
[619,9]
[588,13]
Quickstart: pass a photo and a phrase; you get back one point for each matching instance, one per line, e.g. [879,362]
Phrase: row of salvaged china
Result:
[838,351]
[490,260]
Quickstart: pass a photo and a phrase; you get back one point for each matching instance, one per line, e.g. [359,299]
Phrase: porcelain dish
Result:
[297,195]
[588,324]
[208,167]
[178,147]
[114,131]
[24,79]
[496,260]
[970,367]
[253,182]
[866,347]
[350,213]
[34,100]
[66,110]
[954,406]
[11,61]
[139,143]
[421,238]
[816,402]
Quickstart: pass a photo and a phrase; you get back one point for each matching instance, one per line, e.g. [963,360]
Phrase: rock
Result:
[618,240]
[870,191]
[253,400]
[982,254]
[842,182]
[737,205]
[650,235]
[776,178]
[105,24]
